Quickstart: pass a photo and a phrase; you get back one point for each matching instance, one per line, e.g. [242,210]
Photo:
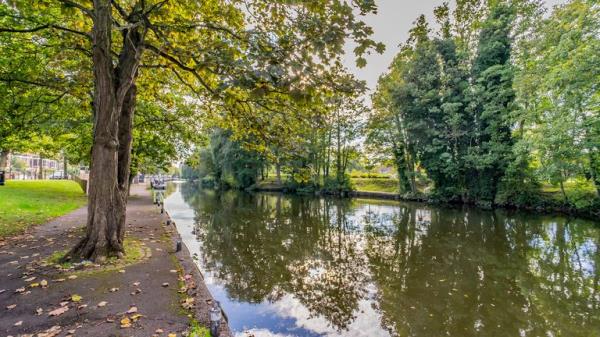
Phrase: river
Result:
[285,265]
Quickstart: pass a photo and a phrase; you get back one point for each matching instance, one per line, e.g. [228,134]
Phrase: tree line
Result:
[497,100]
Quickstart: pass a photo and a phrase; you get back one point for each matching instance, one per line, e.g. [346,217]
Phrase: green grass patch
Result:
[196,330]
[375,185]
[27,203]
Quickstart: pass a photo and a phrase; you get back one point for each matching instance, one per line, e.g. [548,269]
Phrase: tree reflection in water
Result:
[436,271]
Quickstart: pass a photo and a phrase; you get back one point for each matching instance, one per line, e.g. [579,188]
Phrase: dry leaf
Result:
[20,290]
[125,323]
[12,306]
[188,303]
[132,310]
[136,317]
[112,290]
[30,279]
[172,335]
[135,284]
[19,323]
[44,283]
[39,311]
[166,284]
[72,277]
[59,311]
[101,304]
[76,298]
[52,332]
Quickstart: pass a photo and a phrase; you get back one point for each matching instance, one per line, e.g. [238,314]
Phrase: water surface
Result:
[304,266]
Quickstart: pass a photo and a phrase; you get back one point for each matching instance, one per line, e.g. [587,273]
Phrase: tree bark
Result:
[3,159]
[114,104]
[40,174]
[278,172]
[65,174]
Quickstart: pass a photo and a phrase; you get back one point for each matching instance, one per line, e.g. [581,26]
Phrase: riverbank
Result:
[154,291]
[544,202]
[26,203]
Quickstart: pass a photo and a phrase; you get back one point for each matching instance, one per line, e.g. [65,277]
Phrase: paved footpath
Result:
[36,299]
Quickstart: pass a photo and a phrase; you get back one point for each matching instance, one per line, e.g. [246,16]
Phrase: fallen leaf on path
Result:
[62,304]
[132,310]
[166,284]
[112,290]
[103,303]
[12,306]
[135,284]
[44,283]
[52,332]
[39,311]
[34,285]
[159,331]
[188,303]
[2,290]
[72,277]
[136,317]
[20,290]
[59,311]
[19,323]
[122,271]
[30,279]
[125,323]
[59,280]
[76,298]
[172,335]
[83,306]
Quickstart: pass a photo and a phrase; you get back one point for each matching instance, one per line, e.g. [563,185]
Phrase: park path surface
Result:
[31,307]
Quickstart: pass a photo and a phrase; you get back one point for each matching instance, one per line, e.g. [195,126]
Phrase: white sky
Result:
[391,25]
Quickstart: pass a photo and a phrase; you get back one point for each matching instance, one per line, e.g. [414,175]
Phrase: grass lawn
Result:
[375,185]
[28,203]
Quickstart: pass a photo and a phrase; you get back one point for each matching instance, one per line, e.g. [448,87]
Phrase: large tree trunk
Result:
[114,103]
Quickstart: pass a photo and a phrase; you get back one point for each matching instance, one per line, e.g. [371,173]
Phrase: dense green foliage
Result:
[314,155]
[27,203]
[224,163]
[493,117]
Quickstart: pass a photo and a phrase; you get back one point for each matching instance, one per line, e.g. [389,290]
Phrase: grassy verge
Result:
[27,203]
[375,185]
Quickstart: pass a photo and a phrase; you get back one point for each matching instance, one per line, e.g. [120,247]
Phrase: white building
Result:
[27,166]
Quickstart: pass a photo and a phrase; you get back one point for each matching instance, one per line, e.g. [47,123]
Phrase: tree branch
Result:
[87,11]
[46,26]
[180,65]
